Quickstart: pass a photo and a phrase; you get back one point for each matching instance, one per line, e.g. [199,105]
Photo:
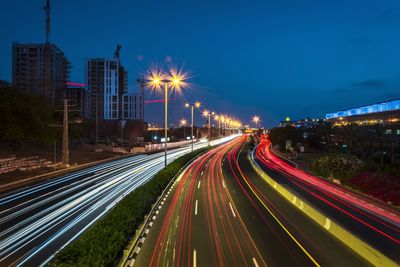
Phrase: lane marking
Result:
[255,262]
[202,172]
[223,183]
[233,212]
[259,171]
[194,258]
[198,186]
[327,224]
[195,208]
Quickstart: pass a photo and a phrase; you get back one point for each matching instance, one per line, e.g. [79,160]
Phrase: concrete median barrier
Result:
[369,253]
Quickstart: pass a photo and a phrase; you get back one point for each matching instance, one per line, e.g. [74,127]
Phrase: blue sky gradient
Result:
[271,58]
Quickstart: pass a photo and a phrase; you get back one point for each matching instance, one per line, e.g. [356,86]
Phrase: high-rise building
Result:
[132,108]
[41,69]
[76,94]
[107,88]
[106,82]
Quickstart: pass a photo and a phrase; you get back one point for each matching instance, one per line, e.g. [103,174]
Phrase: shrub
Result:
[379,185]
[337,166]
[103,243]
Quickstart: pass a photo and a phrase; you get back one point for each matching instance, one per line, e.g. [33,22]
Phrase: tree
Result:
[279,135]
[25,118]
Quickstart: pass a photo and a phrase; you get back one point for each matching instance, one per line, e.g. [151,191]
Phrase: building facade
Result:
[107,89]
[133,107]
[380,113]
[76,95]
[41,69]
[106,82]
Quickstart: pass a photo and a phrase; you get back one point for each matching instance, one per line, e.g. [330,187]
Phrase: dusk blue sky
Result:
[271,58]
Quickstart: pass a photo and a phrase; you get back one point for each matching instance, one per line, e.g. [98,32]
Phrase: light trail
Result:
[263,153]
[217,208]
[380,223]
[38,221]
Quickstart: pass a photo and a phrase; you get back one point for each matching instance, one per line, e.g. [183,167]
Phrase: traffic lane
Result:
[187,242]
[162,247]
[345,216]
[274,243]
[233,246]
[44,238]
[384,212]
[53,196]
[325,248]
[182,246]
[381,224]
[28,211]
[48,244]
[39,188]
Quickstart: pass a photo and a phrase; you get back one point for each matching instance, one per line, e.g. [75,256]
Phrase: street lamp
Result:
[208,114]
[192,106]
[256,120]
[218,118]
[157,79]
[183,124]
[223,120]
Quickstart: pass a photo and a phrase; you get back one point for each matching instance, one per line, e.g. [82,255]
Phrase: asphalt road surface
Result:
[215,216]
[372,221]
[37,221]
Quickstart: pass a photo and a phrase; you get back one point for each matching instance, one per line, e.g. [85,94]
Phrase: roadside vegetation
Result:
[103,243]
[366,158]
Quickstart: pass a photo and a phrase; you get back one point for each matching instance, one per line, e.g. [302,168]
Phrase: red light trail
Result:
[346,197]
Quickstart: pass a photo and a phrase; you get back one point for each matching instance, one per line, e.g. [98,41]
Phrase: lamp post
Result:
[218,118]
[207,114]
[158,79]
[192,106]
[183,124]
[209,124]
[223,123]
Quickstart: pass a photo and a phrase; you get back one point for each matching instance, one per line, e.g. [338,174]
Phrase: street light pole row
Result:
[156,80]
[192,106]
[176,80]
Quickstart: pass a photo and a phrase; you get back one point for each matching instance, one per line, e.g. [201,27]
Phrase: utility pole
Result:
[65,147]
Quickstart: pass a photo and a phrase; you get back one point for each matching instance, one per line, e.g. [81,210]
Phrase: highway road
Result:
[37,221]
[214,216]
[373,222]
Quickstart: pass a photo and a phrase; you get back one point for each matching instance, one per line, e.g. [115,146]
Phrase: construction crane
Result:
[117,52]
[47,10]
